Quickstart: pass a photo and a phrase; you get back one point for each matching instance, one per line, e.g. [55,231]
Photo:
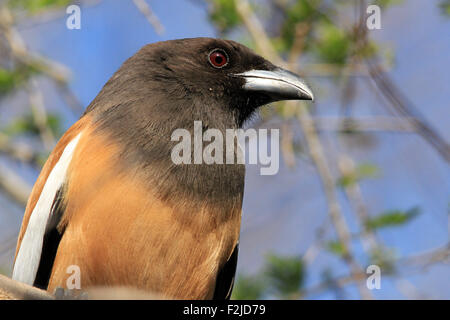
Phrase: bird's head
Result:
[209,76]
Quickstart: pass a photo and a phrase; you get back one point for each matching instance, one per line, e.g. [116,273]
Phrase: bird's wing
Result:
[225,277]
[38,237]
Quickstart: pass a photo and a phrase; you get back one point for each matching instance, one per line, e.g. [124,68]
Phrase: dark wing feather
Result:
[51,242]
[225,277]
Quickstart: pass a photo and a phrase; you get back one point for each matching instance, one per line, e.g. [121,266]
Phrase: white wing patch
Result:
[29,255]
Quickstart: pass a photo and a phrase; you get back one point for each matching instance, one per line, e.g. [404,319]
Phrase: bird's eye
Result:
[218,58]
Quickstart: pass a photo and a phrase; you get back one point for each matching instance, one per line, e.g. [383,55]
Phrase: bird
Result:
[110,200]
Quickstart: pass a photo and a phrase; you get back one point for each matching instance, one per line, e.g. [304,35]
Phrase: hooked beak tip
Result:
[279,84]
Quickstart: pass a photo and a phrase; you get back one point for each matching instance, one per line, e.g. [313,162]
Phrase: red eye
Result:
[218,58]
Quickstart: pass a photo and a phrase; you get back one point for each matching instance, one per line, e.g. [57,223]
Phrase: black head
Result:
[205,70]
[208,78]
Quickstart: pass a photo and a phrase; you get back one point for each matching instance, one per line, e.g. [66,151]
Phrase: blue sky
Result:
[283,212]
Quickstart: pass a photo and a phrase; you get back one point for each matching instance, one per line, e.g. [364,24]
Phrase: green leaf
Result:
[368,50]
[42,157]
[7,81]
[445,7]
[284,274]
[367,170]
[347,180]
[387,3]
[248,288]
[54,123]
[384,258]
[224,14]
[300,11]
[36,6]
[392,218]
[12,79]
[27,125]
[336,247]
[332,44]
[362,171]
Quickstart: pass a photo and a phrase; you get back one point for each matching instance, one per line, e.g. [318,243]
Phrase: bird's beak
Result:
[278,84]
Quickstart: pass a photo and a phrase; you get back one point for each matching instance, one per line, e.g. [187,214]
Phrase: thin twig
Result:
[40,115]
[17,150]
[14,185]
[405,108]
[145,9]
[364,124]
[419,261]
[10,289]
[354,196]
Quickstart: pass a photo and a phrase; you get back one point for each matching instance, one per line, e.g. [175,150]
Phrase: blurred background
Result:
[364,176]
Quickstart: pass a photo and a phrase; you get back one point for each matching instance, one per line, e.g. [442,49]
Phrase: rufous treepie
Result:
[111,201]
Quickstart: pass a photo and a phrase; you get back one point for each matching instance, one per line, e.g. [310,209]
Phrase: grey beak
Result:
[278,84]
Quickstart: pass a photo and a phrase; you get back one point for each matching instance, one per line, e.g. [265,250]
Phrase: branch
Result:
[398,101]
[421,261]
[145,9]
[14,290]
[30,21]
[257,32]
[40,115]
[55,71]
[405,108]
[363,124]
[19,151]
[70,98]
[428,258]
[331,70]
[19,50]
[14,185]
[354,196]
